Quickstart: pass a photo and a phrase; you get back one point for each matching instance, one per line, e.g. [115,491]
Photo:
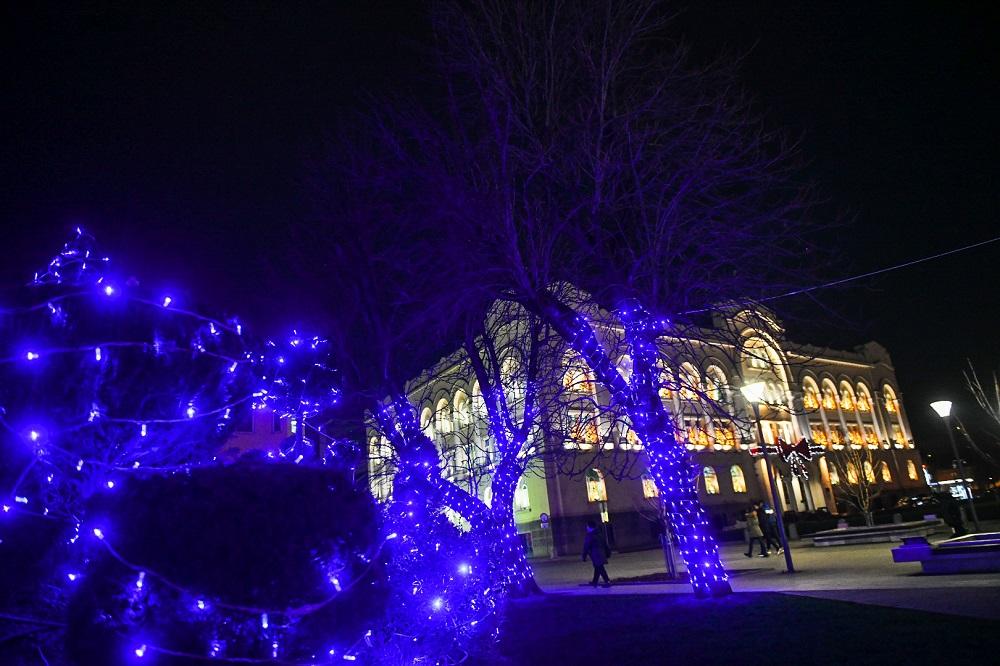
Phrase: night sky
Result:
[179,137]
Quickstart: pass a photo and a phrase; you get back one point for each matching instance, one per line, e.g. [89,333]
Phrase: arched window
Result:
[578,378]
[739,480]
[711,481]
[761,362]
[829,395]
[649,489]
[847,400]
[852,474]
[596,490]
[442,418]
[716,385]
[522,502]
[886,475]
[513,383]
[772,395]
[427,422]
[690,382]
[757,354]
[891,402]
[810,394]
[869,472]
[463,412]
[911,470]
[864,398]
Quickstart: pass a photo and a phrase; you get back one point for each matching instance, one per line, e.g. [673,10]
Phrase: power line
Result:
[880,271]
[860,276]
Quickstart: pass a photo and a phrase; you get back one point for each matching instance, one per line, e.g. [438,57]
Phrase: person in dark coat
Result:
[596,547]
[951,512]
[768,520]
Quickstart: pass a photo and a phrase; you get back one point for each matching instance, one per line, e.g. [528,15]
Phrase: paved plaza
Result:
[859,573]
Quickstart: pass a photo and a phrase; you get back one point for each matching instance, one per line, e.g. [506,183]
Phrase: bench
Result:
[843,536]
[973,553]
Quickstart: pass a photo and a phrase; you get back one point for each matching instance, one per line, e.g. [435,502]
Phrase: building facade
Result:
[835,400]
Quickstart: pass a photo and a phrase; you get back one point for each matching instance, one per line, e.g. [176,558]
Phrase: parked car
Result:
[928,500]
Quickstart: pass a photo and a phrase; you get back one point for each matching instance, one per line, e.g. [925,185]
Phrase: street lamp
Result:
[943,409]
[754,395]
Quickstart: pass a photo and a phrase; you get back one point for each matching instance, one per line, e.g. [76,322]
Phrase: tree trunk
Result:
[675,478]
[511,565]
[639,397]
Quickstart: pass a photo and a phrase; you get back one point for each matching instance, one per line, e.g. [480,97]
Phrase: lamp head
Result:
[942,407]
[754,393]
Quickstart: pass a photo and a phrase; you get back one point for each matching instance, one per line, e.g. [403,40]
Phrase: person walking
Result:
[754,533]
[951,512]
[768,520]
[596,547]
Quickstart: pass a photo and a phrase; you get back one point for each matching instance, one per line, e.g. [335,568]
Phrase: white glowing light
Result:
[98,533]
[31,356]
[167,301]
[754,393]
[942,407]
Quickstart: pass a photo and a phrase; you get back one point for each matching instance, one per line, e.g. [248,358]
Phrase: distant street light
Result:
[754,394]
[943,409]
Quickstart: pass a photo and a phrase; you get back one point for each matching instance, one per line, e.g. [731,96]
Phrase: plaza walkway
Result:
[862,574]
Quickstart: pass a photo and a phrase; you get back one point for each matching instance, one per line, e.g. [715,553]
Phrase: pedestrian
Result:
[952,514]
[768,520]
[596,547]
[754,533]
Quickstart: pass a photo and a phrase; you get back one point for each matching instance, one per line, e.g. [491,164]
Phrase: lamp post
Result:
[943,409]
[754,394]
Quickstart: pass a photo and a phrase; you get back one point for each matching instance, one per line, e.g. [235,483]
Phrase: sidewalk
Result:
[863,574]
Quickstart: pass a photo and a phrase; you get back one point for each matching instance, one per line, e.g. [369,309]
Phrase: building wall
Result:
[835,398]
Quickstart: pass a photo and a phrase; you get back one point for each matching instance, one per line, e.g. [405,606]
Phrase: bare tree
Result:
[500,407]
[595,154]
[575,144]
[988,399]
[860,477]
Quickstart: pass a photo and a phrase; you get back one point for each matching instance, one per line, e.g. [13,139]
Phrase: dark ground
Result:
[751,628]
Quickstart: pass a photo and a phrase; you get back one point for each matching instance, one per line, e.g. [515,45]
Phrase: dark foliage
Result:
[254,535]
